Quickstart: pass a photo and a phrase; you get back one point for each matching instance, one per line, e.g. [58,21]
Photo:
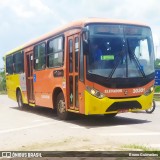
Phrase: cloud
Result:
[21,12]
[23,20]
[41,8]
[30,9]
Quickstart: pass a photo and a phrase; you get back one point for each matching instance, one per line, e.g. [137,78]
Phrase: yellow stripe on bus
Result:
[14,50]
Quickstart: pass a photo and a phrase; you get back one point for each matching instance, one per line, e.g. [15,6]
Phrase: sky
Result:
[24,20]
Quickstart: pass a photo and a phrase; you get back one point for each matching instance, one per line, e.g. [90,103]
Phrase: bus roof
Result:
[76,24]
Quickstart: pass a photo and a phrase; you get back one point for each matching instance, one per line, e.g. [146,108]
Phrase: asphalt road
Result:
[39,129]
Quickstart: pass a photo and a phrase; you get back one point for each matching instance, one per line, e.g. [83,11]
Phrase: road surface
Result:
[39,129]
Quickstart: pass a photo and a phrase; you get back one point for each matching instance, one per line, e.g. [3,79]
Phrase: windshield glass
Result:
[120,51]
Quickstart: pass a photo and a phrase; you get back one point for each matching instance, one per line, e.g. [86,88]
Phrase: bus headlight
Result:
[149,91]
[95,92]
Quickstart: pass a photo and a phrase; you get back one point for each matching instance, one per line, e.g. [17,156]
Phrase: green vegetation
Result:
[157,96]
[157,89]
[135,147]
[157,63]
[2,82]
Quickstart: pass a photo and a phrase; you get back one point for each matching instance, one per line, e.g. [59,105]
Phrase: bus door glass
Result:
[73,55]
[30,89]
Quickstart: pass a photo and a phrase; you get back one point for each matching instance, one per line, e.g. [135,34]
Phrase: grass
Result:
[157,97]
[3,92]
[157,89]
[136,147]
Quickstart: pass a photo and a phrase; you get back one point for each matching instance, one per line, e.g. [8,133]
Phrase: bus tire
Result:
[61,107]
[19,100]
[152,108]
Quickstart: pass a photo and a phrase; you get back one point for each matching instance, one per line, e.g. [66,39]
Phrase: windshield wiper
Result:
[122,54]
[136,61]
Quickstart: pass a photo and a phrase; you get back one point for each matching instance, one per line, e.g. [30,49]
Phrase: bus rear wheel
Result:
[61,108]
[19,100]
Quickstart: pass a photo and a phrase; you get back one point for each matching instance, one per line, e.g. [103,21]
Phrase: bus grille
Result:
[124,105]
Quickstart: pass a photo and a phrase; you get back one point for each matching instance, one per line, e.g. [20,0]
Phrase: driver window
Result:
[144,52]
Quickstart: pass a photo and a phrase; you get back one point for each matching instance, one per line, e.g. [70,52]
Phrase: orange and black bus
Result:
[92,66]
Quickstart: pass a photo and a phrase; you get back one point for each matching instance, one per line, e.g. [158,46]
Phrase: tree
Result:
[157,63]
[2,79]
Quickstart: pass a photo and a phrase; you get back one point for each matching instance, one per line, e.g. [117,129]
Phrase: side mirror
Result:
[85,35]
[85,47]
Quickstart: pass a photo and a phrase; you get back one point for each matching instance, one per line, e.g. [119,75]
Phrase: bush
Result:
[157,89]
[2,82]
[157,63]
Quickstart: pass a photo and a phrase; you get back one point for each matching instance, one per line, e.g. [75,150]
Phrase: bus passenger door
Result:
[73,56]
[30,89]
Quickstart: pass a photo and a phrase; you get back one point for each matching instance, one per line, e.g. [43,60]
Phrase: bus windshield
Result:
[120,51]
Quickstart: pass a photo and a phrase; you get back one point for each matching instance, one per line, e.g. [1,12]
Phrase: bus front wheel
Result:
[61,107]
[19,100]
[150,110]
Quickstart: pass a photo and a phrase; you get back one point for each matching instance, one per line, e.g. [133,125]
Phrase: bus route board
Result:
[157,77]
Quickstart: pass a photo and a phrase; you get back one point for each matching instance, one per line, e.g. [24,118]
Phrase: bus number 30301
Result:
[138,90]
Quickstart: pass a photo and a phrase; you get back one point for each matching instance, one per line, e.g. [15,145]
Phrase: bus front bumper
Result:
[106,105]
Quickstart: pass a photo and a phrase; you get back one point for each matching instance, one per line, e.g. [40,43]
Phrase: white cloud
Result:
[31,9]
[38,5]
[40,8]
[4,3]
[26,19]
[22,12]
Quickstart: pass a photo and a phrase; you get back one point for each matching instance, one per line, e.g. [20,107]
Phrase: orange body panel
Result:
[44,86]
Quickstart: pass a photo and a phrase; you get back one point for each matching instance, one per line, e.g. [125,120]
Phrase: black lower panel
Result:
[124,105]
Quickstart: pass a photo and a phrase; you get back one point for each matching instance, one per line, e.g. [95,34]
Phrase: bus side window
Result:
[18,62]
[39,56]
[55,52]
[76,53]
[9,64]
[70,56]
[81,62]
